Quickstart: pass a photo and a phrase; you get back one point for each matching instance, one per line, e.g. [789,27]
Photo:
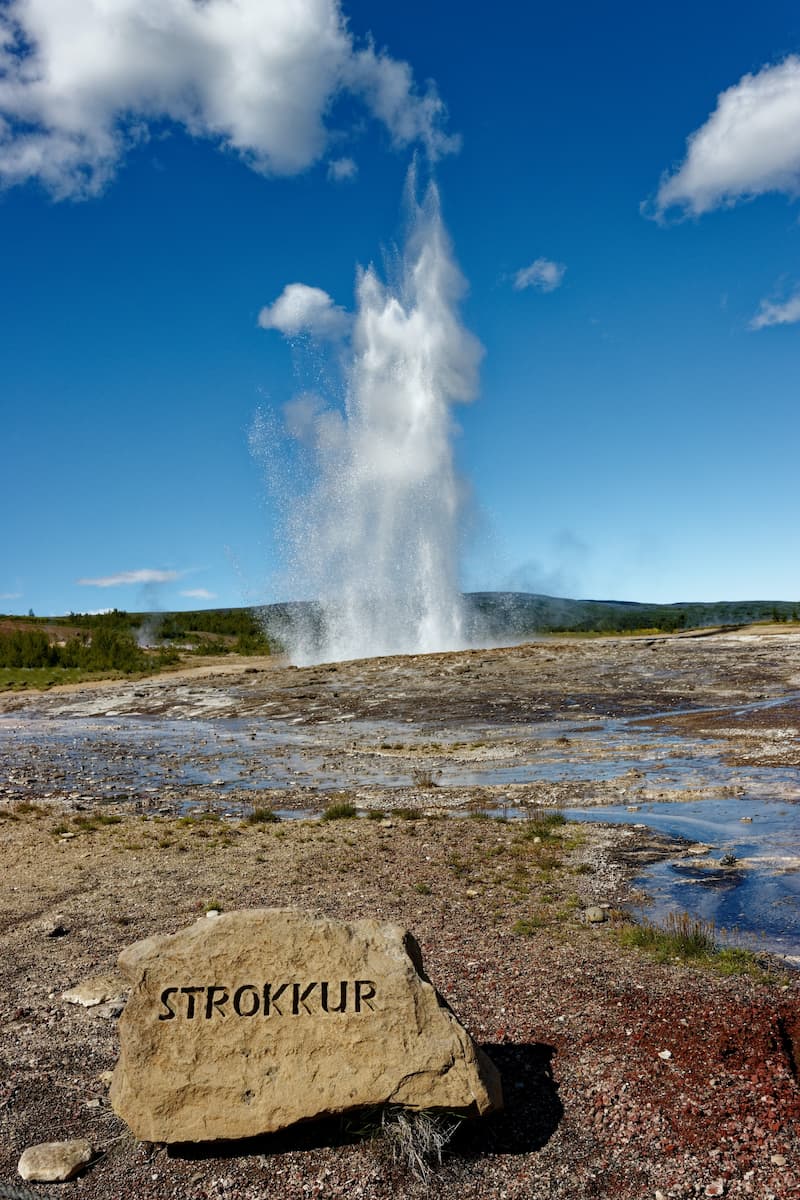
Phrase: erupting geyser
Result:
[375,540]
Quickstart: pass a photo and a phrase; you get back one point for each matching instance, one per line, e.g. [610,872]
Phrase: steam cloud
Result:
[302,309]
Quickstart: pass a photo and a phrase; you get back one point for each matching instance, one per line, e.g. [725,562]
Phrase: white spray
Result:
[376,539]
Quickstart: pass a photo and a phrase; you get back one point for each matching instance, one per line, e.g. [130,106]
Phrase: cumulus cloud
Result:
[749,145]
[543,274]
[303,309]
[771,313]
[143,576]
[199,594]
[342,169]
[82,80]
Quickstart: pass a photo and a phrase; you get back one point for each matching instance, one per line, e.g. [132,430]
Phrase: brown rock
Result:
[258,1019]
[54,1162]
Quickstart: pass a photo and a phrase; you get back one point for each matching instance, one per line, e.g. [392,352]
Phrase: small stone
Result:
[594,915]
[54,1162]
[111,1010]
[717,1188]
[95,991]
[699,849]
[666,1055]
[778,1160]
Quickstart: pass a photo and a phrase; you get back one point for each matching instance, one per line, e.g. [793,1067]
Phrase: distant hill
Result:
[513,616]
[517,614]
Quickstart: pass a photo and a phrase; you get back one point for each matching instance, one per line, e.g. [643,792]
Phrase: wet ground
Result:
[696,737]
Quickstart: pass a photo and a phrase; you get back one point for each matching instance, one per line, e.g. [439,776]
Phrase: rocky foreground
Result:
[624,1077]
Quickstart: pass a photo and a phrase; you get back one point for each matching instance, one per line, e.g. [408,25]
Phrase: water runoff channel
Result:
[746,880]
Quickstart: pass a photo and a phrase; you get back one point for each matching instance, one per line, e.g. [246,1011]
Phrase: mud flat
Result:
[125,813]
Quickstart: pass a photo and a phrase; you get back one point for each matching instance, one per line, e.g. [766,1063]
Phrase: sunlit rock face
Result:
[248,1022]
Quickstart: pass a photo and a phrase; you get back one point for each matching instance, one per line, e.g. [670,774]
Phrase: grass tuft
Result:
[339,811]
[262,816]
[687,939]
[417,1140]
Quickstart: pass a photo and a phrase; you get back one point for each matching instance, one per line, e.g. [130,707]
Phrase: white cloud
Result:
[80,81]
[303,309]
[749,145]
[341,169]
[143,576]
[199,594]
[543,274]
[10,595]
[770,313]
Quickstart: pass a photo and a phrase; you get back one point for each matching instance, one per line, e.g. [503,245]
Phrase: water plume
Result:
[375,540]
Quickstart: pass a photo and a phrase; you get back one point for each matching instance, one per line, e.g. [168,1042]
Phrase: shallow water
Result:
[121,757]
[755,902]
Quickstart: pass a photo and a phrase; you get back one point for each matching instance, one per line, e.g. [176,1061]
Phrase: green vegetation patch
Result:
[687,939]
[542,823]
[262,816]
[339,811]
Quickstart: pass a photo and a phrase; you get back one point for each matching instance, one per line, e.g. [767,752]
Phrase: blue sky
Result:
[167,171]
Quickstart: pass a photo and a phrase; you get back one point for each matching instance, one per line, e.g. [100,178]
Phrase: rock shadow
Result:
[532,1109]
[319,1134]
[528,1121]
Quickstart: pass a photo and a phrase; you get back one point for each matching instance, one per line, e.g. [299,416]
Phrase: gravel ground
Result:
[579,1026]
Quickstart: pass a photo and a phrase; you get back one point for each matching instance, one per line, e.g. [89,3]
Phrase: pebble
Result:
[666,1055]
[717,1188]
[594,915]
[95,991]
[778,1160]
[54,1162]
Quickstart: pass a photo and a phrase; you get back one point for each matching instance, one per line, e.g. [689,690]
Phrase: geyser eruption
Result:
[375,540]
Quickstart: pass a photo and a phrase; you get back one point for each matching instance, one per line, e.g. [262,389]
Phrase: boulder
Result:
[255,1020]
[54,1162]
